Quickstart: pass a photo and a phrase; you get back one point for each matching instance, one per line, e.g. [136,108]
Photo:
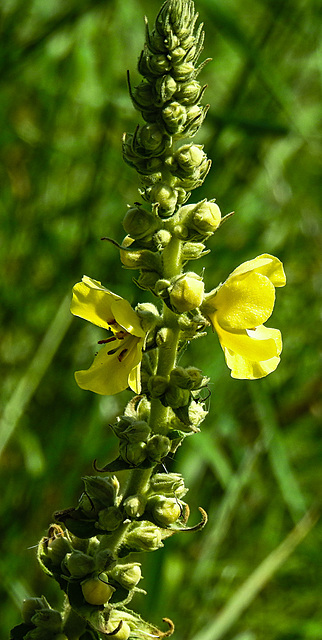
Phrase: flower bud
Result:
[109,519]
[138,258]
[188,93]
[176,397]
[158,447]
[31,605]
[122,423]
[168,484]
[158,64]
[161,239]
[142,95]
[193,251]
[178,54]
[123,633]
[206,217]
[134,506]
[187,292]
[174,117]
[47,619]
[57,548]
[180,377]
[165,511]
[183,71]
[79,564]
[147,279]
[161,288]
[102,490]
[133,453]
[138,222]
[127,575]
[148,314]
[152,139]
[166,196]
[157,385]
[97,590]
[165,88]
[144,537]
[190,156]
[138,431]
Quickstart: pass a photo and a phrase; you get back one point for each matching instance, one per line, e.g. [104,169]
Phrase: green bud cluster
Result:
[168,98]
[41,622]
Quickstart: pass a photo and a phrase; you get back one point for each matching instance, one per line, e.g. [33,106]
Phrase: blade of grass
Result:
[212,453]
[281,467]
[258,579]
[28,384]
[223,516]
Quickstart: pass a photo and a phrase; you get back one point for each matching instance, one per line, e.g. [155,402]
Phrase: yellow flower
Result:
[237,310]
[117,364]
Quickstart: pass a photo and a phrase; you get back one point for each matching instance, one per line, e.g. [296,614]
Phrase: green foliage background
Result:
[256,466]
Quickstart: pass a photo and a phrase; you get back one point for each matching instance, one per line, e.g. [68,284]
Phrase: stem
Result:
[172,266]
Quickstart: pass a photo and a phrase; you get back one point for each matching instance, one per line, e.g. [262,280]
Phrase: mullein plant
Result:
[93,550]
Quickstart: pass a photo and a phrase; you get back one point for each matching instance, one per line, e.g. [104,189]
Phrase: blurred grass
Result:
[256,466]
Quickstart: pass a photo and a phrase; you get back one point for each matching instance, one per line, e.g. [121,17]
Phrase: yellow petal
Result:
[110,372]
[243,369]
[256,346]
[244,301]
[265,264]
[92,302]
[126,317]
[135,379]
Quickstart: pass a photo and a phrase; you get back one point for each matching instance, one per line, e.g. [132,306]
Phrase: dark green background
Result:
[63,109]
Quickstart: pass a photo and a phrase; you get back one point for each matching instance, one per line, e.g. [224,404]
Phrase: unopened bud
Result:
[206,218]
[138,258]
[187,292]
[174,117]
[102,490]
[97,590]
[190,155]
[157,385]
[162,238]
[57,548]
[193,250]
[165,87]
[122,634]
[79,564]
[128,575]
[158,447]
[133,453]
[31,605]
[180,377]
[166,196]
[189,92]
[189,378]
[165,511]
[138,431]
[147,279]
[109,519]
[138,222]
[183,71]
[144,537]
[168,484]
[176,397]
[48,620]
[134,506]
